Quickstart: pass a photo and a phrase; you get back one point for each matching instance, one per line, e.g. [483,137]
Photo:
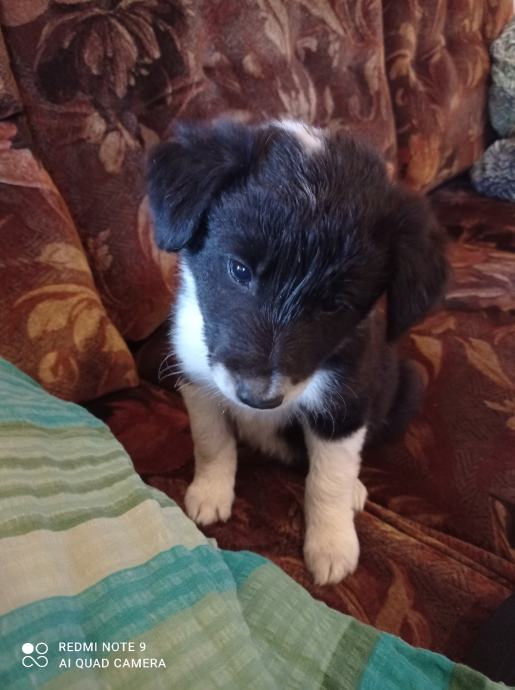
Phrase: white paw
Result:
[360,496]
[209,501]
[331,553]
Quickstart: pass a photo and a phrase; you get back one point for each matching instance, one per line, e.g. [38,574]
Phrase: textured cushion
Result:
[501,104]
[437,64]
[54,325]
[101,82]
[494,173]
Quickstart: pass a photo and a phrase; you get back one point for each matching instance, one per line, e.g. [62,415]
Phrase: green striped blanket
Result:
[105,583]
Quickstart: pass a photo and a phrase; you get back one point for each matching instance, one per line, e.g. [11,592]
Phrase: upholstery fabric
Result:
[437,65]
[54,326]
[470,218]
[438,546]
[102,79]
[10,102]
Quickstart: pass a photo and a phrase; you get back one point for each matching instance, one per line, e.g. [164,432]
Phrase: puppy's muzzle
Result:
[259,392]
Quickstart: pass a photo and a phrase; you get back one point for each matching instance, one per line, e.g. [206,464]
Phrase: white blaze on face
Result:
[311,138]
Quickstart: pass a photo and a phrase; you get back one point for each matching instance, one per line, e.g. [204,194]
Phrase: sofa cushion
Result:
[54,326]
[437,65]
[102,81]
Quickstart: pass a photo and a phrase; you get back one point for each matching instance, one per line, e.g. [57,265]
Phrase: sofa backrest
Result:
[100,82]
[437,64]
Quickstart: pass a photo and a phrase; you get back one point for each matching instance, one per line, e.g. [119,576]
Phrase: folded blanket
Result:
[105,583]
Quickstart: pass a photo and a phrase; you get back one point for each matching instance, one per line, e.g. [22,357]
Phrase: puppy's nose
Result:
[257,393]
[260,403]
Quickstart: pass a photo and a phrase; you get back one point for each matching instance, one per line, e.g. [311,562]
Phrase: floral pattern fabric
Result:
[438,66]
[10,103]
[101,80]
[54,326]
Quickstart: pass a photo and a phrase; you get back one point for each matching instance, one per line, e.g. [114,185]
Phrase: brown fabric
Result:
[10,103]
[101,80]
[90,73]
[437,65]
[438,533]
[471,218]
[317,61]
[54,326]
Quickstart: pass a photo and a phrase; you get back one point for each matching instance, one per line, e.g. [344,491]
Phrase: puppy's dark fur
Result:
[326,236]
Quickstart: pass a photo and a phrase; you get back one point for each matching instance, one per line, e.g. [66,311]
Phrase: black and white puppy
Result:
[288,238]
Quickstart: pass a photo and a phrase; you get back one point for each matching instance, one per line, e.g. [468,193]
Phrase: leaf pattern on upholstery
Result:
[55,326]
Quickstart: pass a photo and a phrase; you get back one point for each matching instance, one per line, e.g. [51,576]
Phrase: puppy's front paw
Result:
[331,553]
[208,502]
[360,496]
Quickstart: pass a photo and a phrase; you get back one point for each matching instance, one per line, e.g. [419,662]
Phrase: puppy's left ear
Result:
[418,268]
[184,176]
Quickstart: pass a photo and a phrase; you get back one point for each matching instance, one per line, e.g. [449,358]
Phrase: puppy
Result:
[288,238]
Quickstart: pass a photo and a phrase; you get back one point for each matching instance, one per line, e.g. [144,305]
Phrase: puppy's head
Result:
[288,237]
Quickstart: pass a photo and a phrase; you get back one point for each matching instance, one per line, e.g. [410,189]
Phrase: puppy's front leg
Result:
[331,547]
[210,496]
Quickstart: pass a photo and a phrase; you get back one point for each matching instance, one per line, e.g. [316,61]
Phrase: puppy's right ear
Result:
[185,175]
[418,267]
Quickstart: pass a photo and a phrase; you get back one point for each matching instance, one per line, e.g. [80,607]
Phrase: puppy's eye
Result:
[239,272]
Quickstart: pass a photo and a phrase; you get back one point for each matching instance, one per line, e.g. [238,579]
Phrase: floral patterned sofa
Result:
[88,86]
